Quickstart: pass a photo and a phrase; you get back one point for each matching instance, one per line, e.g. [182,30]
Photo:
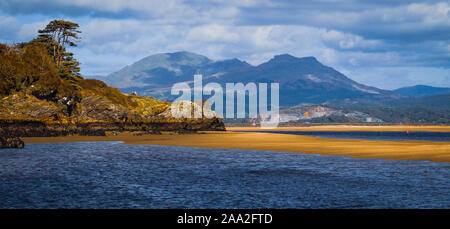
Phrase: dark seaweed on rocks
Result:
[8,141]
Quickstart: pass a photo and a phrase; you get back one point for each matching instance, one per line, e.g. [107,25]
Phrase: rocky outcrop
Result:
[7,141]
[37,100]
[11,143]
[31,128]
[23,115]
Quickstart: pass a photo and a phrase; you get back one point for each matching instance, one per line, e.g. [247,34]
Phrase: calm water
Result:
[112,175]
[373,135]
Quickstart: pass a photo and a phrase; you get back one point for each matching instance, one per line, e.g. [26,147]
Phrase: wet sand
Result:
[395,150]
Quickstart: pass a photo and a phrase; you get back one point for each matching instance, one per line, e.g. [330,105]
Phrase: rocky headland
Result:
[38,101]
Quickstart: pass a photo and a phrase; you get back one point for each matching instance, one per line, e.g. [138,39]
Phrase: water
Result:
[113,175]
[373,135]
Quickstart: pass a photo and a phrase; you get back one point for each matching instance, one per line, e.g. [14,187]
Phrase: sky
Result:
[384,43]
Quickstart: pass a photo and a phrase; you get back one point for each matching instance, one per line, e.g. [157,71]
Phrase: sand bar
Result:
[395,150]
[401,128]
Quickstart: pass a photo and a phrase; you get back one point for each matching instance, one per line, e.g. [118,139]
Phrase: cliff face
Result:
[36,101]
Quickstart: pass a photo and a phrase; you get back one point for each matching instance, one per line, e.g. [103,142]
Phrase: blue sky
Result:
[385,43]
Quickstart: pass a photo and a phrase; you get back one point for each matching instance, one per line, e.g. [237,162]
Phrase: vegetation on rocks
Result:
[42,92]
[10,142]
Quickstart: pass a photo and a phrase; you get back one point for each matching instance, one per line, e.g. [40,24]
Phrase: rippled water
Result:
[112,175]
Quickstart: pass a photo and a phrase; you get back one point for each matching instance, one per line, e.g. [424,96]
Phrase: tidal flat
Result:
[265,141]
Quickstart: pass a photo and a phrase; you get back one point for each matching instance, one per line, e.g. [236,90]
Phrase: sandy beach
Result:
[395,150]
[349,128]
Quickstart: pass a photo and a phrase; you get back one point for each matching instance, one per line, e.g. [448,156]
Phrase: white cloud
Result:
[368,36]
[212,33]
[397,76]
[155,8]
[386,21]
[30,31]
[7,28]
[255,44]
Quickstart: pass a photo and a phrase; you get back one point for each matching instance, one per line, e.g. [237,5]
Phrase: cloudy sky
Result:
[383,43]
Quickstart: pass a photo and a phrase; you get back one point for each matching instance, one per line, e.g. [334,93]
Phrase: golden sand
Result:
[395,150]
[350,128]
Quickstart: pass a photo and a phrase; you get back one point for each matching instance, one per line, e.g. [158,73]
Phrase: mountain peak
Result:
[233,61]
[309,58]
[183,53]
[284,57]
[172,59]
[290,58]
[188,58]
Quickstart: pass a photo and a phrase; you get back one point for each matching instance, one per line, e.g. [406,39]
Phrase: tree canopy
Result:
[60,33]
[57,35]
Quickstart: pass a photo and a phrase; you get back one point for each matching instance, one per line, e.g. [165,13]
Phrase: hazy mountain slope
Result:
[305,80]
[430,109]
[422,91]
[159,70]
[436,101]
[302,80]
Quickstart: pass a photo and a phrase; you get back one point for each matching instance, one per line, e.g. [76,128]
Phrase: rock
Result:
[180,109]
[11,143]
[185,131]
[152,132]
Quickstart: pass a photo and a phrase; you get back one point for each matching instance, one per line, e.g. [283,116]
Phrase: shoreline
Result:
[392,150]
[398,128]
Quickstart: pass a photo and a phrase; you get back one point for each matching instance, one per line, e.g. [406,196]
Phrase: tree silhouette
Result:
[59,34]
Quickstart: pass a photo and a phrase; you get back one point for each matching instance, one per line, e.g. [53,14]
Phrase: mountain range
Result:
[302,80]
[422,91]
[305,83]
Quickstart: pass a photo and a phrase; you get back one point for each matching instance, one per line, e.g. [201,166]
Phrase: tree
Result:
[60,33]
[70,66]
[70,70]
[11,68]
[56,36]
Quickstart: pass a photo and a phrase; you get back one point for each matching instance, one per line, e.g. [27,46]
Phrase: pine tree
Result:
[70,69]
[57,35]
[61,33]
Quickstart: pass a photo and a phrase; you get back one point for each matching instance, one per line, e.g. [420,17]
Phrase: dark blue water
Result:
[373,135]
[112,175]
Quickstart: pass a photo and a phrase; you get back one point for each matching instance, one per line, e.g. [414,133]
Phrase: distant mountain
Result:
[155,75]
[302,80]
[429,109]
[441,102]
[160,70]
[422,91]
[305,80]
